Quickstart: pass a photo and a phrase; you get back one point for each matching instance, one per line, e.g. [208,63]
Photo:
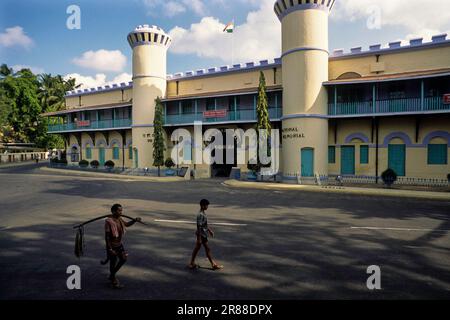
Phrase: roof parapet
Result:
[394,45]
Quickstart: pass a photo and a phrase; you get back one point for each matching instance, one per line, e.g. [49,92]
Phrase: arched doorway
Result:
[397,158]
[74,154]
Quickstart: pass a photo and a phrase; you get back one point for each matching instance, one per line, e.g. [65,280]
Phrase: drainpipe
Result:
[422,95]
[376,149]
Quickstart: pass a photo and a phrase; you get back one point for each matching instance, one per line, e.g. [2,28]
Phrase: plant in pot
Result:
[169,165]
[83,163]
[389,177]
[109,165]
[254,169]
[95,164]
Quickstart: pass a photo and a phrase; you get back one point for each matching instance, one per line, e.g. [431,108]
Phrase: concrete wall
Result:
[392,131]
[23,156]
[115,138]
[391,63]
[100,98]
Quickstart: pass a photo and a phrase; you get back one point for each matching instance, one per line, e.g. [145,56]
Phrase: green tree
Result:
[23,98]
[262,116]
[158,141]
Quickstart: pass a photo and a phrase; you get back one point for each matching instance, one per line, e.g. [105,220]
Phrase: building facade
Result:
[351,113]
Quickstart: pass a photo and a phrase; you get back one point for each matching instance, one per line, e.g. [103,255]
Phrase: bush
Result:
[57,161]
[448,177]
[83,163]
[169,163]
[253,167]
[389,177]
[95,164]
[109,164]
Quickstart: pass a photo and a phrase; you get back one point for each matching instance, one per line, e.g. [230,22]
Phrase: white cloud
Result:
[174,7]
[98,81]
[102,60]
[35,70]
[196,5]
[258,38]
[420,18]
[15,37]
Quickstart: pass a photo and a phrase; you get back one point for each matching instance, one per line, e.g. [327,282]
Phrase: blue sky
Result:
[46,44]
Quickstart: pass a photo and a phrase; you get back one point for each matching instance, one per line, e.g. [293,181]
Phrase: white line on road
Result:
[399,229]
[192,222]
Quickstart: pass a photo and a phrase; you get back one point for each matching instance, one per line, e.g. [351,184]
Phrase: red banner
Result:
[447,98]
[84,123]
[215,114]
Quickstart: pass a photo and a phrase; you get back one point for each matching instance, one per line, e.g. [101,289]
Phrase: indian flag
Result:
[229,27]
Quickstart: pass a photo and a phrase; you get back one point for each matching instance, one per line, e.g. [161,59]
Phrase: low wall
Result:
[21,157]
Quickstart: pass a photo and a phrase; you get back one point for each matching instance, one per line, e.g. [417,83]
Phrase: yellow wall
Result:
[99,137]
[98,99]
[416,155]
[226,82]
[399,62]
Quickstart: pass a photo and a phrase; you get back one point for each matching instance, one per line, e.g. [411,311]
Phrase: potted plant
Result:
[95,164]
[169,164]
[389,177]
[109,165]
[83,163]
[254,169]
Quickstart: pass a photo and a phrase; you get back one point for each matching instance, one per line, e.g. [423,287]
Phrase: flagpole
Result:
[232,45]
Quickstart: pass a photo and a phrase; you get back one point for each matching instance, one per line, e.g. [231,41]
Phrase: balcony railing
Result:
[239,115]
[388,106]
[105,124]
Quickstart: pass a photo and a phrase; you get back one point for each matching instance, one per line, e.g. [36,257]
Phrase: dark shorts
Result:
[202,238]
[120,250]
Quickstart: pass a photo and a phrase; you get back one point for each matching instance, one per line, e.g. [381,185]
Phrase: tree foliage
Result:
[262,116]
[24,96]
[158,141]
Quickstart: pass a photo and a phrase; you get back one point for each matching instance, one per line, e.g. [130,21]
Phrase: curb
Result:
[20,164]
[114,176]
[342,190]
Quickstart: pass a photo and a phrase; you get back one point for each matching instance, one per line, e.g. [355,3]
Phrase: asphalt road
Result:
[286,245]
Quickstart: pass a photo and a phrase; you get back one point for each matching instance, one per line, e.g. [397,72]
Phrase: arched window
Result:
[349,75]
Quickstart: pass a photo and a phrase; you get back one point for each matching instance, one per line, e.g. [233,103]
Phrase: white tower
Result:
[149,44]
[305,68]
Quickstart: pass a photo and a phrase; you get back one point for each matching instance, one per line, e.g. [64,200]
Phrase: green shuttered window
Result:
[364,154]
[88,153]
[130,153]
[331,154]
[437,154]
[116,153]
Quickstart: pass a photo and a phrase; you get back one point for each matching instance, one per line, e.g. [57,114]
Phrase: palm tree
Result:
[5,71]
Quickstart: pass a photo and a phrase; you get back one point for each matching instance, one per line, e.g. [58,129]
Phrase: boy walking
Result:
[114,231]
[203,231]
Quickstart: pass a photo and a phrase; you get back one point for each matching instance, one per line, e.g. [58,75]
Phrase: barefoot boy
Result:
[114,231]
[202,236]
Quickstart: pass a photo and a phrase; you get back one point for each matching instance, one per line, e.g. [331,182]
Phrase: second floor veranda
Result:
[405,96]
[236,108]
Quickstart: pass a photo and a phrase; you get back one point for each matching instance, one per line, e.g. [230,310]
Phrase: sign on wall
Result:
[215,113]
[447,98]
[83,123]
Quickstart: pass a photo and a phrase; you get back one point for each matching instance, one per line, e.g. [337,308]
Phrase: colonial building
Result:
[353,113]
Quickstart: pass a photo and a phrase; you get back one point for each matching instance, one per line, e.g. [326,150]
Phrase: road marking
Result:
[399,229]
[4,228]
[192,222]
